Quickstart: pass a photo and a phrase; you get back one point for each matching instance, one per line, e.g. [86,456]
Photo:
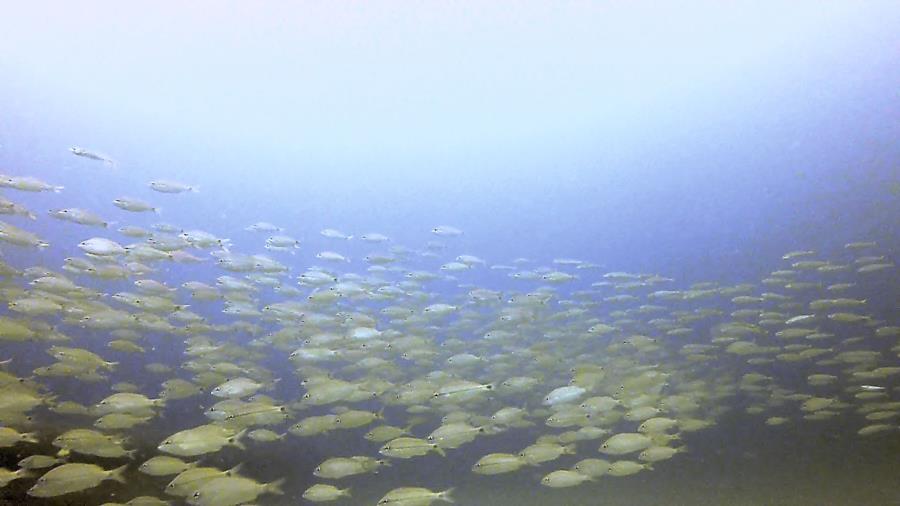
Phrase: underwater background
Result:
[567,143]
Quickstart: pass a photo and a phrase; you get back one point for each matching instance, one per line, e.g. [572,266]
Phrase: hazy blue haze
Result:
[700,141]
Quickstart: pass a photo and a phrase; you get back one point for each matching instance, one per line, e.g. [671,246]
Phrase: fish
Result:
[200,441]
[193,478]
[621,468]
[28,184]
[100,246]
[7,476]
[331,256]
[163,465]
[11,437]
[93,155]
[134,205]
[446,231]
[340,467]
[232,490]
[414,496]
[80,216]
[564,395]
[374,237]
[321,492]
[167,186]
[626,442]
[564,478]
[408,447]
[498,463]
[74,477]
[38,461]
[12,234]
[591,467]
[331,233]
[237,388]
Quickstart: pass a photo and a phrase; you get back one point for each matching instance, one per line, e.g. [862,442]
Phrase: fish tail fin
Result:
[275,487]
[570,449]
[57,189]
[156,210]
[236,440]
[445,496]
[117,473]
[349,237]
[194,189]
[440,451]
[235,471]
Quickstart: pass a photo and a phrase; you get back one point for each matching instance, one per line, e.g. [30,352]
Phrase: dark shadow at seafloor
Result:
[741,462]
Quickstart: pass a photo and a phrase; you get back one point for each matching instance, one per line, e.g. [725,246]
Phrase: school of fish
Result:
[397,352]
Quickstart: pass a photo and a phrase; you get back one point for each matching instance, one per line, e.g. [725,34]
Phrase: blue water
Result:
[698,142]
[554,131]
